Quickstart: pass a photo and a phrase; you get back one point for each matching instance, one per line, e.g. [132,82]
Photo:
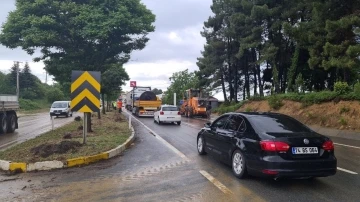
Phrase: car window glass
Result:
[169,109]
[242,127]
[234,123]
[277,124]
[221,122]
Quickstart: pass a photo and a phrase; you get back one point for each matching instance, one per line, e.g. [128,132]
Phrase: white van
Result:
[60,108]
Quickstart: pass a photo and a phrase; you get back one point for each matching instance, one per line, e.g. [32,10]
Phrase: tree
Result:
[27,78]
[157,91]
[111,82]
[180,81]
[78,35]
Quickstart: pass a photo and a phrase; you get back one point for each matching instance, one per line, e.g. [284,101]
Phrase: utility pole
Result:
[17,78]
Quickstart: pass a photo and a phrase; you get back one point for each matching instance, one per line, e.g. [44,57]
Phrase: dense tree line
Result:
[278,46]
[30,86]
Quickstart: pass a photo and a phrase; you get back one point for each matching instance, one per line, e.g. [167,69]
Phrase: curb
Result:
[16,167]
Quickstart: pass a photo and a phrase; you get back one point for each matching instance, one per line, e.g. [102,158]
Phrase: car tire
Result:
[238,164]
[67,115]
[179,123]
[71,115]
[11,123]
[3,124]
[200,145]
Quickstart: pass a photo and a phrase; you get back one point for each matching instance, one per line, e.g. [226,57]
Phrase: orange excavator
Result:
[193,104]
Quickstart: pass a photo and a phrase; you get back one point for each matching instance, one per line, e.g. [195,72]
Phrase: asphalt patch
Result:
[46,150]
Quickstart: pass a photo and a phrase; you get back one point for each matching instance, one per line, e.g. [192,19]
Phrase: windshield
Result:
[170,109]
[277,124]
[59,105]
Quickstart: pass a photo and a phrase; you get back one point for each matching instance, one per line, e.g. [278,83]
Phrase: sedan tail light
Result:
[328,145]
[161,113]
[274,146]
[178,113]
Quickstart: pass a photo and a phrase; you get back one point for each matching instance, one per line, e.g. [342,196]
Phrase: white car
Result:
[60,108]
[167,114]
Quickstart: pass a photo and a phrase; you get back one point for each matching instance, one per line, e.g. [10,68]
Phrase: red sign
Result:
[132,83]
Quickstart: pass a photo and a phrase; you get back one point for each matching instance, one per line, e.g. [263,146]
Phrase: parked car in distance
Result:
[268,145]
[60,108]
[167,114]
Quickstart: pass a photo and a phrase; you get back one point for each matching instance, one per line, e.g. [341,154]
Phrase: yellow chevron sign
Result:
[85,91]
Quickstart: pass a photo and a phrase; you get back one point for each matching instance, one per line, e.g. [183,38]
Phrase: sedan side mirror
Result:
[207,125]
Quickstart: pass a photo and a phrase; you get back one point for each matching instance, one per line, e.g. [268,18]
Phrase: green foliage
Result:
[343,121]
[55,94]
[299,83]
[275,102]
[342,87]
[157,91]
[180,81]
[225,108]
[91,36]
[357,88]
[344,109]
[29,104]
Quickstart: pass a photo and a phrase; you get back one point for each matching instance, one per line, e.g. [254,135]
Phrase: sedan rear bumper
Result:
[280,168]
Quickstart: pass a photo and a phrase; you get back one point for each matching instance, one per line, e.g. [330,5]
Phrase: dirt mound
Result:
[340,115]
[46,150]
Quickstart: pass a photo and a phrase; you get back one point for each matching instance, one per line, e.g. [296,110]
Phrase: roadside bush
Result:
[28,104]
[357,88]
[54,94]
[341,87]
[229,108]
[275,102]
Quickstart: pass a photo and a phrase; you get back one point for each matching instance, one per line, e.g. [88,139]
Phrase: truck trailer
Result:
[146,104]
[9,104]
[133,95]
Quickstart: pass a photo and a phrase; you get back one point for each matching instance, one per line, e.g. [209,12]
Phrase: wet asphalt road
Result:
[31,126]
[171,170]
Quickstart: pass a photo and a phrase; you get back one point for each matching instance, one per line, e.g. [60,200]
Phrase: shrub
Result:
[357,88]
[341,87]
[275,102]
[28,104]
[55,94]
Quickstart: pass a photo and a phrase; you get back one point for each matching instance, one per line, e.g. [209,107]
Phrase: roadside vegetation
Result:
[66,142]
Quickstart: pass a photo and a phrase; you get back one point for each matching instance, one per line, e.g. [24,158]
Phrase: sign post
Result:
[85,95]
[133,85]
[175,99]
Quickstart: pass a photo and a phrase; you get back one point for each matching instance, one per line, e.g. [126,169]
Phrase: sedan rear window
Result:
[170,109]
[277,124]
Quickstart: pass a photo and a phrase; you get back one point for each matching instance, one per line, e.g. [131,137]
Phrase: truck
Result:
[9,104]
[193,104]
[134,93]
[146,105]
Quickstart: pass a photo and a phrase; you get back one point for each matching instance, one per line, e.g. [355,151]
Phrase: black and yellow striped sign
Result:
[85,91]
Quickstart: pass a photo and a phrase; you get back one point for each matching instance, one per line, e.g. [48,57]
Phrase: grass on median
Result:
[108,132]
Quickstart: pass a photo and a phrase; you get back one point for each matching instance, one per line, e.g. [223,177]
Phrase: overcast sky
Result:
[174,46]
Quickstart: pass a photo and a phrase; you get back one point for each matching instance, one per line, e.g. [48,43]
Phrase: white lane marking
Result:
[345,145]
[348,171]
[216,182]
[161,139]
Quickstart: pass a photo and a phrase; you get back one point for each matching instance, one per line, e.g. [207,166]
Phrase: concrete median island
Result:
[63,147]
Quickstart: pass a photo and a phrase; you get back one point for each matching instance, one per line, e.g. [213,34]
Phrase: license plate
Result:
[57,113]
[305,150]
[170,117]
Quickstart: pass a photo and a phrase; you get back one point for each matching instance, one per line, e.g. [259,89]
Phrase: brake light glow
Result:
[328,145]
[161,113]
[274,146]
[270,172]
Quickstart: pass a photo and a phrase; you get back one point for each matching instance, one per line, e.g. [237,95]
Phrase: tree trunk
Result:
[89,127]
[103,104]
[223,85]
[247,76]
